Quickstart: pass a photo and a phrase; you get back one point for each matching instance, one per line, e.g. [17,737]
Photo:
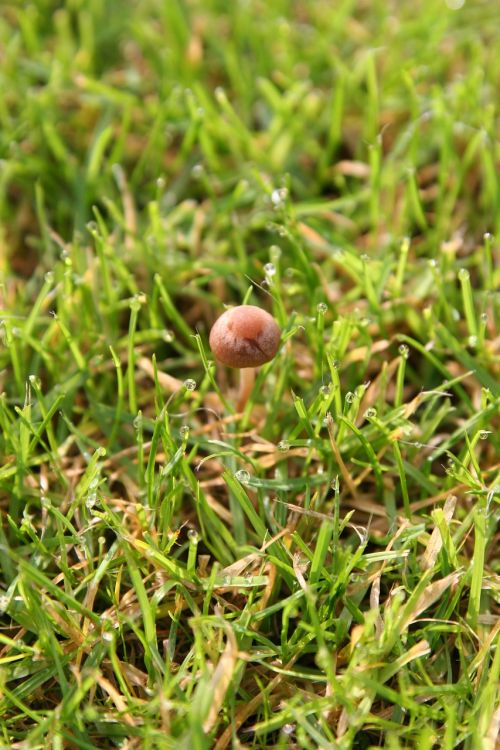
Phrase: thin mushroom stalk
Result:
[245,337]
[247,380]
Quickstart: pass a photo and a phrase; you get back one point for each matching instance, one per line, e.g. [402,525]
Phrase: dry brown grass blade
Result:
[168,382]
[128,207]
[221,678]
[436,542]
[116,697]
[428,596]
[343,468]
[250,708]
[491,739]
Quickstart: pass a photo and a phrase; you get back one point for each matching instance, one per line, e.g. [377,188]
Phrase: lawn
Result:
[320,568]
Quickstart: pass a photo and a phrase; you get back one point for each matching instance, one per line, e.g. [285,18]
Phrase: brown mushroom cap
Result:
[245,336]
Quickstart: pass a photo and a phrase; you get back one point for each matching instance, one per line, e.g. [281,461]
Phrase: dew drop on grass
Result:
[370,413]
[288,729]
[349,397]
[283,446]
[168,336]
[4,603]
[197,171]
[189,384]
[275,253]
[472,341]
[278,197]
[463,274]
[484,317]
[325,390]
[483,434]
[270,269]
[135,304]
[193,536]
[108,637]
[243,476]
[184,431]
[91,500]
[49,277]
[322,308]
[404,351]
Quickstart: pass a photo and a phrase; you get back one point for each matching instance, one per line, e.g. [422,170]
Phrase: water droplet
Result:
[160,183]
[278,197]
[92,227]
[322,308]
[370,413]
[137,422]
[184,431]
[349,397]
[135,303]
[472,341]
[108,637]
[243,476]
[365,322]
[189,384]
[283,446]
[288,729]
[404,351]
[193,536]
[275,253]
[91,500]
[432,262]
[49,277]
[483,434]
[365,257]
[270,269]
[197,171]
[335,364]
[4,603]
[168,336]
[325,390]
[101,451]
[463,274]
[35,381]
[484,317]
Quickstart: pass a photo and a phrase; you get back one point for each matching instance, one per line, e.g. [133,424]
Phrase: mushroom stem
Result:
[247,379]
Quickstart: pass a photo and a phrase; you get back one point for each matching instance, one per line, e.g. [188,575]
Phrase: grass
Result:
[321,570]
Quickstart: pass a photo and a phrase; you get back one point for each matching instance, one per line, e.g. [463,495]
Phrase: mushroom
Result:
[245,337]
